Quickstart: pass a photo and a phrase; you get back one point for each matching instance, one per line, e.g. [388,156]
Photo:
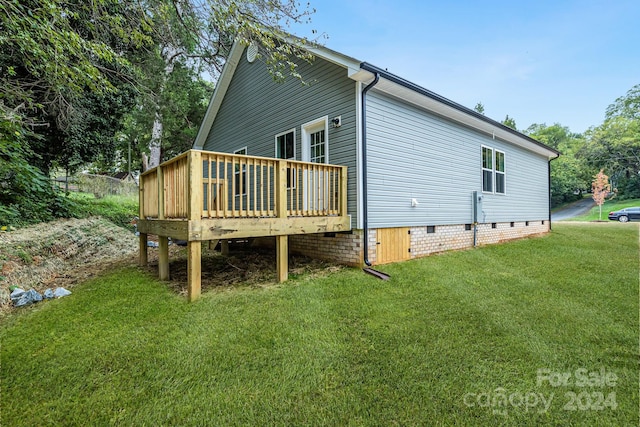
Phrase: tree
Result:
[200,34]
[52,52]
[68,70]
[600,188]
[570,177]
[626,106]
[26,195]
[479,108]
[615,145]
[182,106]
[510,122]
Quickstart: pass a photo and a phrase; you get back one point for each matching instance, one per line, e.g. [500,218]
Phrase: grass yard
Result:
[608,206]
[477,337]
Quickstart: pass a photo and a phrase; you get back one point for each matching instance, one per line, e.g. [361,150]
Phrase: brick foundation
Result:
[348,248]
[452,237]
[345,248]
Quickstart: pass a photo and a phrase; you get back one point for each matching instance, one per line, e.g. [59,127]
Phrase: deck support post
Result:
[144,259]
[343,191]
[282,250]
[194,212]
[163,257]
[224,247]
[282,257]
[194,269]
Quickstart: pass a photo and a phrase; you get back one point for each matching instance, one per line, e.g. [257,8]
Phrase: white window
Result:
[240,178]
[501,176]
[286,149]
[487,170]
[494,175]
[318,146]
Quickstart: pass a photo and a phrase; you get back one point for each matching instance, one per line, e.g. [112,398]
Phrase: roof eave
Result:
[452,110]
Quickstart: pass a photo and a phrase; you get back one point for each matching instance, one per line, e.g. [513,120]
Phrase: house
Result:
[125,177]
[425,174]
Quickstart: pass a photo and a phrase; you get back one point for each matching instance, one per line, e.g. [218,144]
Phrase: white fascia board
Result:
[360,75]
[218,94]
[448,112]
[326,54]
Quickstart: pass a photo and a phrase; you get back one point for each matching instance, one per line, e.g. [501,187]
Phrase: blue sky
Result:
[537,61]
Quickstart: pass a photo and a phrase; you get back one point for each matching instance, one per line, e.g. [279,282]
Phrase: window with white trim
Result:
[487,169]
[240,178]
[494,175]
[500,176]
[286,149]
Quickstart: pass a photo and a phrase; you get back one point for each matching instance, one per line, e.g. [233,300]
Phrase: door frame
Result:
[321,123]
[307,129]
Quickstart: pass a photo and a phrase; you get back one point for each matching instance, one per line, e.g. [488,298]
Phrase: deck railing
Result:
[201,184]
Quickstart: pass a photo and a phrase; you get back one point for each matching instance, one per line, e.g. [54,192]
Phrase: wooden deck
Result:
[205,196]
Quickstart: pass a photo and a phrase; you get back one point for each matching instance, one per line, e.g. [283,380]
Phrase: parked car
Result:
[624,215]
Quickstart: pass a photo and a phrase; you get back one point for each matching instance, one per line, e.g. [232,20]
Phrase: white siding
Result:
[413,154]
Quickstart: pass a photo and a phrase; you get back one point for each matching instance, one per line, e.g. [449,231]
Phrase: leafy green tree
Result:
[182,107]
[615,146]
[626,106]
[200,34]
[569,175]
[52,52]
[26,195]
[68,71]
[510,122]
[479,108]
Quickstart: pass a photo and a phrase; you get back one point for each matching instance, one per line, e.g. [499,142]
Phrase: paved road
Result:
[575,209]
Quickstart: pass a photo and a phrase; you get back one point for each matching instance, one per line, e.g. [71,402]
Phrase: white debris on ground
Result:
[37,257]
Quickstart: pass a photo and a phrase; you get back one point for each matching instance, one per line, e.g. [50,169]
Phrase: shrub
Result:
[26,194]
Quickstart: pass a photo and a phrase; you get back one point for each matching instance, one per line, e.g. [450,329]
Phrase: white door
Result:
[315,149]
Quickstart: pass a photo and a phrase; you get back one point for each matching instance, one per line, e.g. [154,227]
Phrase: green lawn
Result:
[438,344]
[608,206]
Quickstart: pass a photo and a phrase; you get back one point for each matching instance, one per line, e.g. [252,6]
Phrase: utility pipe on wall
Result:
[365,213]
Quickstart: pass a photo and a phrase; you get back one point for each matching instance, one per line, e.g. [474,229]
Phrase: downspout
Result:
[549,184]
[365,209]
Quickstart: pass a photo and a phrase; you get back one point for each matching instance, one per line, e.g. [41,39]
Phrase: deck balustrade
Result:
[201,195]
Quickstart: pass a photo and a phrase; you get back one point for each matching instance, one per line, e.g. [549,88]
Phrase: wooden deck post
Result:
[282,249]
[196,206]
[224,247]
[194,269]
[143,258]
[343,191]
[282,257]
[163,241]
[163,257]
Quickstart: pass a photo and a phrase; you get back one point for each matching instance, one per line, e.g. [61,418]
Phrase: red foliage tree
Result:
[600,187]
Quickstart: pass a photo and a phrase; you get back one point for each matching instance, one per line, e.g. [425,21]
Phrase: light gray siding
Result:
[413,154]
[256,108]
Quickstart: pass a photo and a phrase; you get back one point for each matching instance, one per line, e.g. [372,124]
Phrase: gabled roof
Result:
[388,83]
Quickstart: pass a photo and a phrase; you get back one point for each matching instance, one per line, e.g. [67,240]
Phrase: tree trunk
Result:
[169,55]
[155,148]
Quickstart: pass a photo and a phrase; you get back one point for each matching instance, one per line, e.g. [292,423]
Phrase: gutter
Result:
[365,209]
